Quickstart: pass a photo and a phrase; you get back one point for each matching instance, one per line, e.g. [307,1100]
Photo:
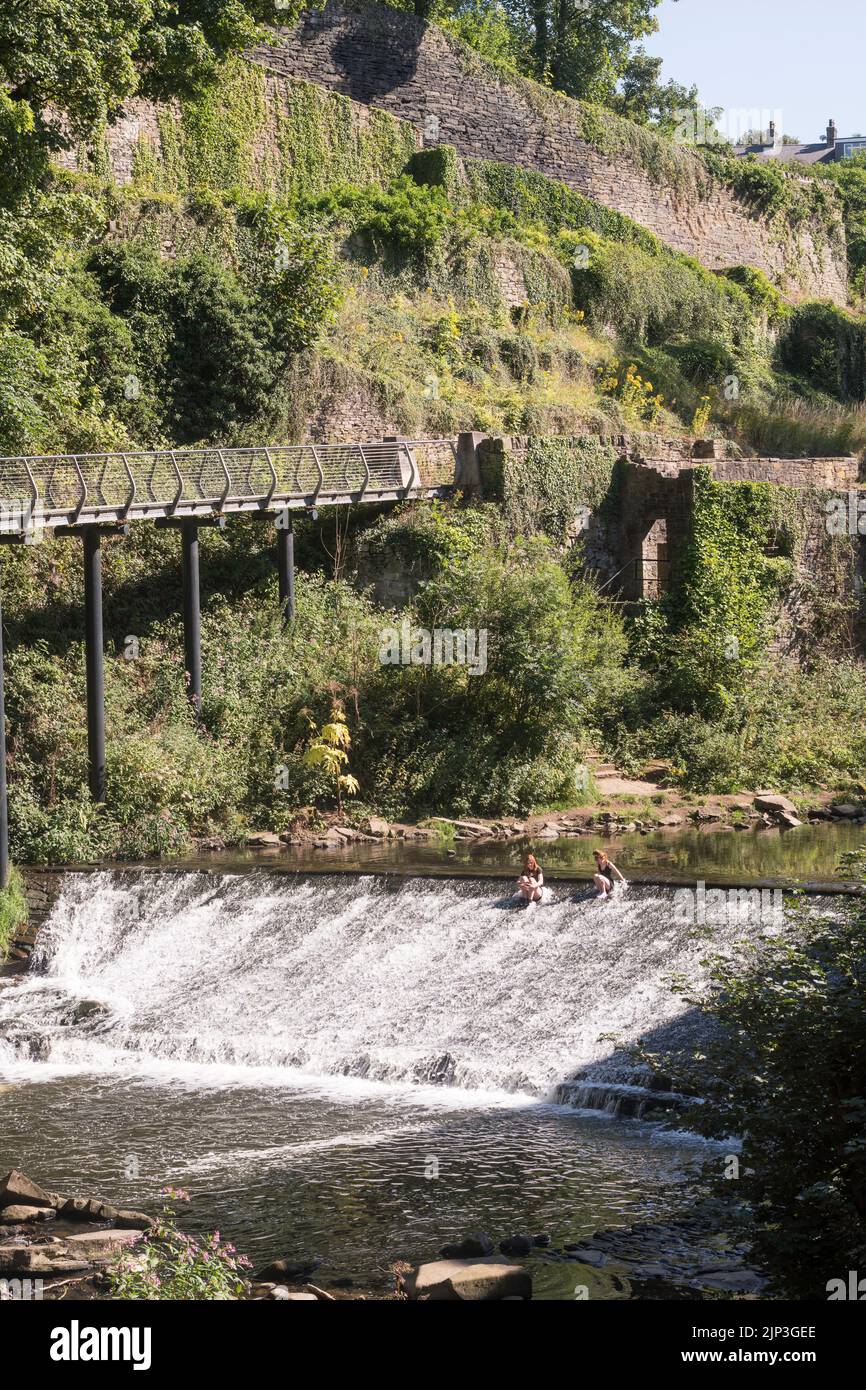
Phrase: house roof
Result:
[819,153]
[791,154]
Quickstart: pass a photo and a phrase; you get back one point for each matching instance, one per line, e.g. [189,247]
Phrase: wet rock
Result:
[520,1246]
[846,809]
[483,1280]
[772,802]
[541,1242]
[288,1271]
[475,1245]
[733,1281]
[10,1216]
[17,1190]
[786,818]
[87,1209]
[133,1221]
[585,1255]
[264,839]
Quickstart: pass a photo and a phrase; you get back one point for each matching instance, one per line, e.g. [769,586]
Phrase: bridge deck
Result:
[89,489]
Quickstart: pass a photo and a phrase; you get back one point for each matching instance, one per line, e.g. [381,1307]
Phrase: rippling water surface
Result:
[353,1070]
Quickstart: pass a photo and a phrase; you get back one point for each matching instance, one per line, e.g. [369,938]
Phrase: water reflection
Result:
[809,855]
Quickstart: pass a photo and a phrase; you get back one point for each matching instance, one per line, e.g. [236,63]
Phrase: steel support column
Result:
[286,565]
[192,613]
[95,672]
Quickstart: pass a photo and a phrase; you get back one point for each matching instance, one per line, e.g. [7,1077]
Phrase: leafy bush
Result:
[167,1265]
[827,348]
[13,910]
[786,1058]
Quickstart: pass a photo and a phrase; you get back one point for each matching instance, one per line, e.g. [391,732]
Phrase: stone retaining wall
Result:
[388,59]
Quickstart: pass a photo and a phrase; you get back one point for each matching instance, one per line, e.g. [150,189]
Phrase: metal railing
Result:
[86,489]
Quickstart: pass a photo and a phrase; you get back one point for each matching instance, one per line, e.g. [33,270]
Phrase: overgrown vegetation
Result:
[169,1266]
[787,1059]
[13,911]
[233,292]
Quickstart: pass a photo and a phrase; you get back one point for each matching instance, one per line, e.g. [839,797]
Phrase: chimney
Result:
[832,134]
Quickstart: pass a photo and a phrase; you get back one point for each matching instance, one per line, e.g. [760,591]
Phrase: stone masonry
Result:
[388,59]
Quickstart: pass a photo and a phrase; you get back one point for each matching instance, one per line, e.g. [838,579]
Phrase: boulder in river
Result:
[288,1271]
[10,1216]
[484,1280]
[133,1221]
[16,1190]
[87,1209]
[475,1245]
[264,839]
[520,1246]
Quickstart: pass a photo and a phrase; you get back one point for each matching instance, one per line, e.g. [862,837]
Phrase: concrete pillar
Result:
[467,470]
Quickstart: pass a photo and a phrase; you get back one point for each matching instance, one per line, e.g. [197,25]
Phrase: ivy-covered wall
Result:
[721,215]
[618,498]
[252,131]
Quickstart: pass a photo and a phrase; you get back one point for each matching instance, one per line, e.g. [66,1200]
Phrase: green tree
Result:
[668,106]
[583,47]
[329,749]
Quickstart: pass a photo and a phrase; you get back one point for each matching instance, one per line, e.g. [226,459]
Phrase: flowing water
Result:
[349,1068]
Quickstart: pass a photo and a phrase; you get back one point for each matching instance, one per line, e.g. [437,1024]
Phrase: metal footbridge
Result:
[71,490]
[96,495]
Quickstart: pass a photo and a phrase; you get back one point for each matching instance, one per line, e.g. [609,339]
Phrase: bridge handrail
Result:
[128,484]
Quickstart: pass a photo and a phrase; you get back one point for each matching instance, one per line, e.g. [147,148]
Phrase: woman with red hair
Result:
[531,881]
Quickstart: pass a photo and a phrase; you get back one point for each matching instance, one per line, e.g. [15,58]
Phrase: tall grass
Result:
[787,426]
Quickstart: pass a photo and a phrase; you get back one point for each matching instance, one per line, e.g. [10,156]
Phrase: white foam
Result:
[338,984]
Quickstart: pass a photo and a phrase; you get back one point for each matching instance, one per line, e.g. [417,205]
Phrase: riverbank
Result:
[642,809]
[54,1247]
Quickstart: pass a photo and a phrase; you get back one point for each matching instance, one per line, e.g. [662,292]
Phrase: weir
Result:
[415,982]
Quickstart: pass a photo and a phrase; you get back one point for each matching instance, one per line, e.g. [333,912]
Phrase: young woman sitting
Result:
[605,873]
[531,881]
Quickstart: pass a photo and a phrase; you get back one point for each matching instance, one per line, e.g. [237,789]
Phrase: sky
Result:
[802,58]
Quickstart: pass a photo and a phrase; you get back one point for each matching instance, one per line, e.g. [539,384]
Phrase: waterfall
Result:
[421,982]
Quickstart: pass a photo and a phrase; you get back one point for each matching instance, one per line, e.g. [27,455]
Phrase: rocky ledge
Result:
[666,811]
[70,1241]
[57,1239]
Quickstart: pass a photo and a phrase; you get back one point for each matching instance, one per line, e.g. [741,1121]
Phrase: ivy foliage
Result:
[712,627]
[826,348]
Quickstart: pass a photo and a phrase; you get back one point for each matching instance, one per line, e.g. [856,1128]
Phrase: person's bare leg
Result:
[601,884]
